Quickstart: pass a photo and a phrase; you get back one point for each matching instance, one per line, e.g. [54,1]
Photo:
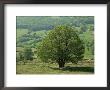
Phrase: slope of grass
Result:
[44,68]
[21,32]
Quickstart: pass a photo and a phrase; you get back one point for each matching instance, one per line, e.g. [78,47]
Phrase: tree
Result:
[20,57]
[28,55]
[24,55]
[61,45]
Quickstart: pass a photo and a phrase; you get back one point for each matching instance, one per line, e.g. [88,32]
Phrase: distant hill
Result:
[37,23]
[32,29]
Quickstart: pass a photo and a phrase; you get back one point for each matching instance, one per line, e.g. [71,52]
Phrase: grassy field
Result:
[45,68]
[21,32]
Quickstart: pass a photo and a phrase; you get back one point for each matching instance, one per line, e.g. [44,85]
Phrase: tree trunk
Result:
[61,64]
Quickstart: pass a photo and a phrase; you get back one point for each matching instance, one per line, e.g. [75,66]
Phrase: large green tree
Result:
[61,45]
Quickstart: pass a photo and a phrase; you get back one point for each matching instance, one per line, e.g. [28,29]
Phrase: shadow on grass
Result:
[76,69]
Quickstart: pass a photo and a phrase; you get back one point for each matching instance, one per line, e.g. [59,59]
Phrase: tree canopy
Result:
[61,45]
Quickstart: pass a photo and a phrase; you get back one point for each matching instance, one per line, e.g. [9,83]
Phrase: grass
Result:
[45,68]
[21,32]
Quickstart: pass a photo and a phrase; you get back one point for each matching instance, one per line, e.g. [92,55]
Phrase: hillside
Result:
[32,29]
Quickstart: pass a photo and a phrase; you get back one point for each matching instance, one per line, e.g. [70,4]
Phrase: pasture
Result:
[85,67]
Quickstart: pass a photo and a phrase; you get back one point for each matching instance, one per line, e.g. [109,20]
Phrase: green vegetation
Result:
[44,41]
[61,45]
[25,55]
[49,68]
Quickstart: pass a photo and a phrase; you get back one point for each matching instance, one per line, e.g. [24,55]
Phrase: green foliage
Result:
[26,36]
[61,45]
[21,32]
[31,30]
[30,39]
[28,55]
[24,54]
[20,57]
[49,22]
[88,38]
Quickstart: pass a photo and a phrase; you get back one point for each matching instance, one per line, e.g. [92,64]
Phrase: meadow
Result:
[85,67]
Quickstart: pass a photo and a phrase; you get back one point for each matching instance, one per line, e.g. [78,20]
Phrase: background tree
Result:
[20,57]
[28,54]
[61,45]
